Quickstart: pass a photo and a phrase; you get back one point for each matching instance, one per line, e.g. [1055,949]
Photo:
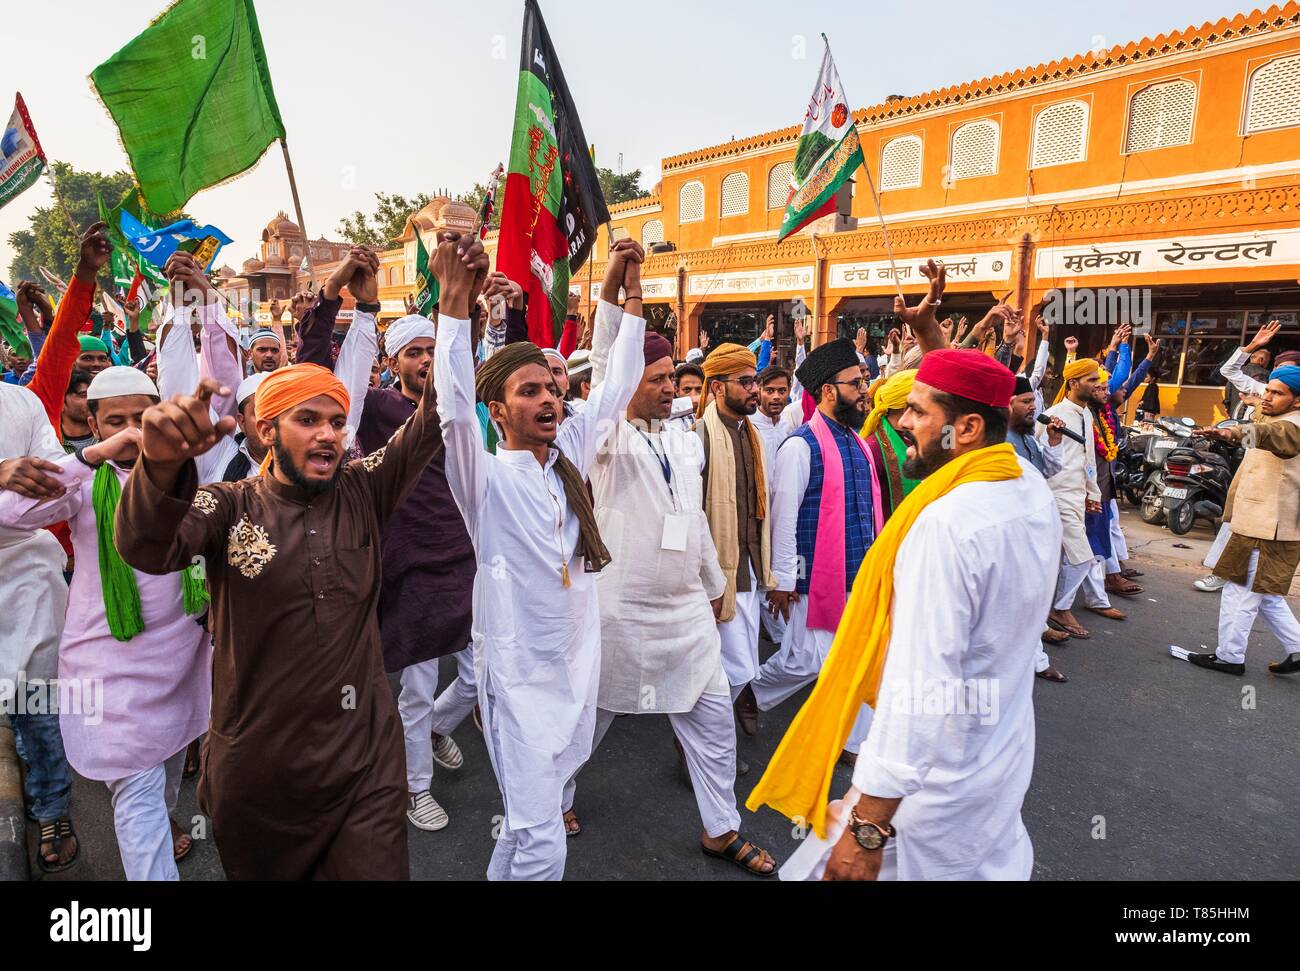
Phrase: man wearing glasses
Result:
[735,504]
[826,512]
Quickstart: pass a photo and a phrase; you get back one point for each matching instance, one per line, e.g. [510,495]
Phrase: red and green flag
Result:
[192,99]
[553,203]
[827,155]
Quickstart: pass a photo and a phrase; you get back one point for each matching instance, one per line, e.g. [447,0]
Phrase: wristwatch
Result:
[870,836]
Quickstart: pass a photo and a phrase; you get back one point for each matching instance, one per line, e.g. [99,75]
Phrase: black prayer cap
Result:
[823,363]
[1022,386]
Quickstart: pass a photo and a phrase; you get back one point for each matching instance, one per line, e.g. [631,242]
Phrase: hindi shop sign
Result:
[655,288]
[1234,250]
[967,268]
[762,281]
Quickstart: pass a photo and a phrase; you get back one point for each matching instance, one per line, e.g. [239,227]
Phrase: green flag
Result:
[426,296]
[12,329]
[192,99]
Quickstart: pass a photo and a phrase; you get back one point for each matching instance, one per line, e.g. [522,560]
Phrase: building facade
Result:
[1157,182]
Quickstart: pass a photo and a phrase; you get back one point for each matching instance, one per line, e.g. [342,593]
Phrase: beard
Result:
[927,461]
[848,414]
[314,487]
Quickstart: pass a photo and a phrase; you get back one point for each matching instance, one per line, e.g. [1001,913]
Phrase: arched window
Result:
[778,185]
[652,232]
[692,203]
[974,150]
[1060,135]
[1161,115]
[735,194]
[900,163]
[619,233]
[1273,99]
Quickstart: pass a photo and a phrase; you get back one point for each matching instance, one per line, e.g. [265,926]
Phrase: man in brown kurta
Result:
[735,503]
[303,765]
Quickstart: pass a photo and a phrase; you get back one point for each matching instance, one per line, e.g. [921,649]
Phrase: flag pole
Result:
[297,208]
[875,199]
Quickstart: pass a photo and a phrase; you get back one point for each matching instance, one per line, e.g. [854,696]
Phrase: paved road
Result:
[1191,785]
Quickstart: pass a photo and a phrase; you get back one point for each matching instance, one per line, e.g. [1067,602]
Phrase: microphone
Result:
[1072,436]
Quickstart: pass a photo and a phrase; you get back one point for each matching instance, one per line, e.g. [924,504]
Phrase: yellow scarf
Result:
[886,396]
[798,779]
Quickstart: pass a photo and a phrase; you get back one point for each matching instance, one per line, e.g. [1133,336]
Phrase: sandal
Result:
[1131,574]
[179,840]
[55,833]
[1116,583]
[1053,675]
[572,827]
[192,754]
[1078,633]
[744,854]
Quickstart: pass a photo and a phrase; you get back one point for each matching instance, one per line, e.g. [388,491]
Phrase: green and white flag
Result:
[21,158]
[827,155]
[427,288]
[12,328]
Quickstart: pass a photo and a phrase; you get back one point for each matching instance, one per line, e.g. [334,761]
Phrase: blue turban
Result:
[1289,375]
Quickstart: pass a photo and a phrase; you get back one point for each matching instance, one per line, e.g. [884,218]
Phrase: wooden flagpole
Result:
[297,208]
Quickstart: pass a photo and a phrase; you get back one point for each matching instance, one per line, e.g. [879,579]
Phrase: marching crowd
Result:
[240,537]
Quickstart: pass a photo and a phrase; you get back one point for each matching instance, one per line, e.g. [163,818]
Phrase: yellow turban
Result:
[887,397]
[726,360]
[1077,369]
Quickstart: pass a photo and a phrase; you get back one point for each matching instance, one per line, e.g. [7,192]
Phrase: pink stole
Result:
[828,585]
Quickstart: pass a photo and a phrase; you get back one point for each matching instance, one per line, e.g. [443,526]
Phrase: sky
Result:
[414,96]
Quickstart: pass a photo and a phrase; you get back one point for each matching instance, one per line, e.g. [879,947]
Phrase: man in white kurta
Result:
[36,596]
[951,746]
[156,685]
[536,619]
[1075,488]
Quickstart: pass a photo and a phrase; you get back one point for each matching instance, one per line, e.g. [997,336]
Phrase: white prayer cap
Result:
[556,356]
[406,330]
[263,335]
[579,363]
[694,356]
[248,387]
[118,382]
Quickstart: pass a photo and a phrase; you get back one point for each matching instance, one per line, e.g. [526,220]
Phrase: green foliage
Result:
[387,222]
[811,147]
[620,188]
[49,241]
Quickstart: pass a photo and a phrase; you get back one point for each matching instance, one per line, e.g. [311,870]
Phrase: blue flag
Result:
[157,245]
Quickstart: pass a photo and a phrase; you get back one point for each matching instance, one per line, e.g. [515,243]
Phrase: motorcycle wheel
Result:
[1132,496]
[1152,508]
[1182,519]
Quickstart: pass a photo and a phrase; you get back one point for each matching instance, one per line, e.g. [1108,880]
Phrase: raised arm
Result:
[1232,368]
[468,463]
[608,315]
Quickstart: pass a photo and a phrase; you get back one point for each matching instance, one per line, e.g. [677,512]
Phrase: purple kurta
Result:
[428,560]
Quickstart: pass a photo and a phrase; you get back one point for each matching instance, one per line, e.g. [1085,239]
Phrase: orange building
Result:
[1165,172]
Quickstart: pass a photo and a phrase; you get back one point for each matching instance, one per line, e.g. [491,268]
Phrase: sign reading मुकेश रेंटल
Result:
[969,267]
[1277,248]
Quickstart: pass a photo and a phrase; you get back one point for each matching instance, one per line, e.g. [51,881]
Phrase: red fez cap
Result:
[968,374]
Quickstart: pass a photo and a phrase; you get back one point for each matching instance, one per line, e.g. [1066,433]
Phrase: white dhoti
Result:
[798,662]
[424,715]
[1237,612]
[707,734]
[142,808]
[740,640]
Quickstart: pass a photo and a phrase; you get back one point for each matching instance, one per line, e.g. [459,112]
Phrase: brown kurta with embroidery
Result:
[303,768]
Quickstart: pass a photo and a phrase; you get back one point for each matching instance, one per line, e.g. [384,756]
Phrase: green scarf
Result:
[121,594]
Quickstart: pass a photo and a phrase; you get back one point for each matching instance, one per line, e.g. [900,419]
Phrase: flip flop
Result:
[571,817]
[1078,633]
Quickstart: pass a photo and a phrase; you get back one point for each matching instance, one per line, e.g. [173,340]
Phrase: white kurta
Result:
[536,643]
[773,433]
[31,563]
[660,648]
[1075,484]
[953,733]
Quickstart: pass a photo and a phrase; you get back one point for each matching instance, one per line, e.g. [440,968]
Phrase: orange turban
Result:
[291,386]
[726,360]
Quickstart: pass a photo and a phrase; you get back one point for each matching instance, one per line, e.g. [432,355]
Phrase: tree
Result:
[386,224]
[620,188]
[49,241]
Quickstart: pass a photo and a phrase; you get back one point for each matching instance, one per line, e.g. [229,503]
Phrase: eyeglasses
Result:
[860,383]
[746,383]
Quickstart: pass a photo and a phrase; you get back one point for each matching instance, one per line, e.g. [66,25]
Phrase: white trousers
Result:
[1091,576]
[536,853]
[798,662]
[1238,610]
[740,640]
[423,716]
[1220,544]
[142,808]
[1118,544]
[1041,661]
[708,736]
